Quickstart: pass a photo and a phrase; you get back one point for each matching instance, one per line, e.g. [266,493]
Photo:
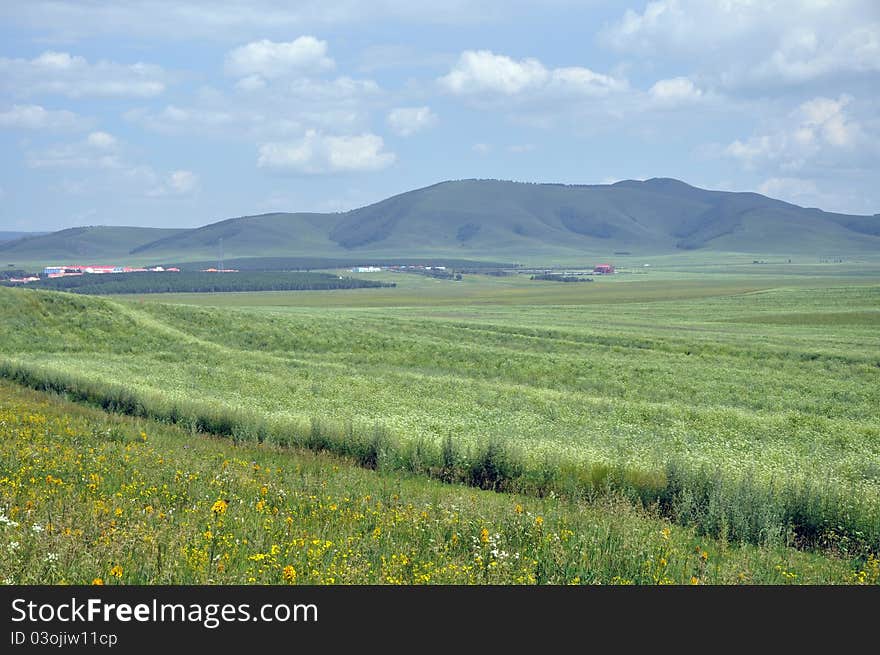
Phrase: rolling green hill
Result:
[12,236]
[78,244]
[491,219]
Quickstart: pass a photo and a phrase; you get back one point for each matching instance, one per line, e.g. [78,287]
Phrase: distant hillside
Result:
[491,219]
[78,244]
[12,236]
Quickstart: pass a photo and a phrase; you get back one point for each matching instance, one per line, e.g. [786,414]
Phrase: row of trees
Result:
[121,283]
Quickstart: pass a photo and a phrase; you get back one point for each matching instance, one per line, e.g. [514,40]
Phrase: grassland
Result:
[89,497]
[743,406]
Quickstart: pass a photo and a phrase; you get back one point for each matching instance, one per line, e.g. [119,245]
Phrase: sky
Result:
[181,113]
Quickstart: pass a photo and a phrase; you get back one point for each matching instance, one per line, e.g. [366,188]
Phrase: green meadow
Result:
[740,406]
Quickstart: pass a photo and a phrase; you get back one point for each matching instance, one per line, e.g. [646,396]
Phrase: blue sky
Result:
[178,114]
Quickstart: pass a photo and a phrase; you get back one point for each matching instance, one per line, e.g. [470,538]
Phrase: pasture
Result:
[744,406]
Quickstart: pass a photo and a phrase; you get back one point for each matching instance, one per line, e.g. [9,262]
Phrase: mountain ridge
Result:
[492,219]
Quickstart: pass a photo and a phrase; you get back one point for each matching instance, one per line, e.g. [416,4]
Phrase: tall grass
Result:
[803,513]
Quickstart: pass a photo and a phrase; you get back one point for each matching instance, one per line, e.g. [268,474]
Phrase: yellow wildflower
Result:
[289,573]
[219,507]
[484,536]
[116,571]
[97,581]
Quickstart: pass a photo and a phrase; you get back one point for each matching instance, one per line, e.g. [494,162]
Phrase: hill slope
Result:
[78,244]
[491,219]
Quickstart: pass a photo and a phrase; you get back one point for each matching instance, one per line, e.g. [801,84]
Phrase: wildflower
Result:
[97,581]
[518,509]
[264,490]
[484,536]
[289,573]
[695,580]
[116,571]
[36,527]
[704,556]
[666,532]
[539,521]
[12,546]
[219,507]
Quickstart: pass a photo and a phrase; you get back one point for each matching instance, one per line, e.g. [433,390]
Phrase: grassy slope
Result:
[779,381]
[81,245]
[130,502]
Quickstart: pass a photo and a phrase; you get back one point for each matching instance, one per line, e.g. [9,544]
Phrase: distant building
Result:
[366,269]
[603,269]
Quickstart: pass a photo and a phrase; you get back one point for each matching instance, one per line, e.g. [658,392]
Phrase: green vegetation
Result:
[492,219]
[88,497]
[80,243]
[744,408]
[149,282]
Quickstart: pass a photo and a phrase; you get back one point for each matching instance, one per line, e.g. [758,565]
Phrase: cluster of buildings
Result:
[414,267]
[76,269]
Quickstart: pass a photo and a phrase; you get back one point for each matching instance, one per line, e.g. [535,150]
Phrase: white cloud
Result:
[175,183]
[99,150]
[102,141]
[483,72]
[482,148]
[744,42]
[674,92]
[251,83]
[521,148]
[180,120]
[268,60]
[817,128]
[406,121]
[60,73]
[318,153]
[197,19]
[36,117]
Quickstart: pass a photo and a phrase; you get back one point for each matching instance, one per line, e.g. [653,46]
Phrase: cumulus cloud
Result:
[742,42]
[180,120]
[102,141]
[99,150]
[36,117]
[268,59]
[60,73]
[674,92]
[481,72]
[406,121]
[175,183]
[317,153]
[817,128]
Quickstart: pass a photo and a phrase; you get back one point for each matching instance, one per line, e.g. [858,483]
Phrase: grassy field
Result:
[87,497]
[745,406]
